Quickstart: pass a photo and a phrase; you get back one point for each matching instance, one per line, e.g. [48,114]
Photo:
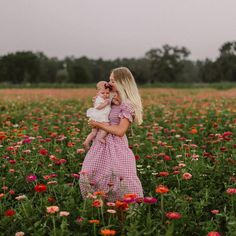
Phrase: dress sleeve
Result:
[127,111]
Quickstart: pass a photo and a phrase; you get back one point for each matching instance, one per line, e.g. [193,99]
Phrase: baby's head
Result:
[103,90]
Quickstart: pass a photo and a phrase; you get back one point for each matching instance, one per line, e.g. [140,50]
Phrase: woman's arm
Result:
[118,130]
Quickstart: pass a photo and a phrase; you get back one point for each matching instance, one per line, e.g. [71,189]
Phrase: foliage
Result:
[186,143]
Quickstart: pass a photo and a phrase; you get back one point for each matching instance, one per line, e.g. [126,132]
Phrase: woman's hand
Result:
[93,123]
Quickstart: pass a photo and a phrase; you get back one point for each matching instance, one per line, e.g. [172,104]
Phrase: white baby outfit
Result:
[99,115]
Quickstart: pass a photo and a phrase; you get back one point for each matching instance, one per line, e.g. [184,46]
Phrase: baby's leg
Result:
[89,138]
[102,134]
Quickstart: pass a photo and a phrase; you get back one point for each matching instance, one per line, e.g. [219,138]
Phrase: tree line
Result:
[166,64]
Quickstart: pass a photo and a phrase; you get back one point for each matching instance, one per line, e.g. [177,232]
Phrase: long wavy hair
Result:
[128,91]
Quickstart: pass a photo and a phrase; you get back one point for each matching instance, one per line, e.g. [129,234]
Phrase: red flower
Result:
[167,158]
[163,173]
[43,152]
[40,188]
[9,213]
[173,215]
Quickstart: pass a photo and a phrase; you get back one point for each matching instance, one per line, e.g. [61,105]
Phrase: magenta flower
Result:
[31,178]
[150,200]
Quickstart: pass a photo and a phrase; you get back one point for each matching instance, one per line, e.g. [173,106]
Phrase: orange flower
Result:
[193,131]
[108,232]
[99,193]
[122,205]
[94,221]
[162,189]
[130,195]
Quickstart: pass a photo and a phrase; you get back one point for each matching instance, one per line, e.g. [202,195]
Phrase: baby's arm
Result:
[102,105]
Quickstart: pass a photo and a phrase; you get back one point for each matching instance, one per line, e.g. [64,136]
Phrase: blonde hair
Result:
[128,91]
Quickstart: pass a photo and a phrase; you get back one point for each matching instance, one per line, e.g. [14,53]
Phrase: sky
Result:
[111,29]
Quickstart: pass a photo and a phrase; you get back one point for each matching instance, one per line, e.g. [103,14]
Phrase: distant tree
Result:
[226,62]
[166,63]
[19,67]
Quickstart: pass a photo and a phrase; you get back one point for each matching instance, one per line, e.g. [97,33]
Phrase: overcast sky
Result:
[116,28]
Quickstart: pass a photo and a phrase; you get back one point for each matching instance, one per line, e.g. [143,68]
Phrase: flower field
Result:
[185,154]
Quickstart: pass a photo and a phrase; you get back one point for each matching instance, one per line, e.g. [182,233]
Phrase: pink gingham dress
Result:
[111,167]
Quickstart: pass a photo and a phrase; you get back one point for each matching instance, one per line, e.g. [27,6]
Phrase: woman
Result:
[110,167]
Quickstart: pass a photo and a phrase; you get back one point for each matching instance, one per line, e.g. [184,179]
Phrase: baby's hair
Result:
[101,85]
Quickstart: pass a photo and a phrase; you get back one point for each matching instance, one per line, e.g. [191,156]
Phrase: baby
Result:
[100,112]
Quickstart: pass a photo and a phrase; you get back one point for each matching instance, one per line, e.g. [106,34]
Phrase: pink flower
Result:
[213,233]
[215,212]
[31,178]
[231,191]
[52,209]
[111,211]
[76,176]
[173,215]
[64,213]
[111,204]
[20,233]
[186,176]
[80,151]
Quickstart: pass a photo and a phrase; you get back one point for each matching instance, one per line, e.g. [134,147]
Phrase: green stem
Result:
[162,208]
[54,226]
[94,229]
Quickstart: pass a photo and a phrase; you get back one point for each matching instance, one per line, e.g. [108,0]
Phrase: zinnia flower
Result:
[64,213]
[173,215]
[108,232]
[150,200]
[213,233]
[187,176]
[43,152]
[40,188]
[111,211]
[97,203]
[52,209]
[21,197]
[94,222]
[215,212]
[9,213]
[231,191]
[20,233]
[31,178]
[162,189]
[122,205]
